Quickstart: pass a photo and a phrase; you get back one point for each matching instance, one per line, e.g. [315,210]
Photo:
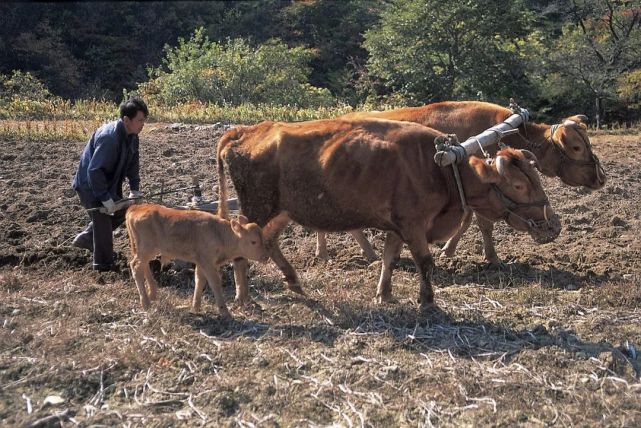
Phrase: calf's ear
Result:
[242,219]
[236,227]
[485,169]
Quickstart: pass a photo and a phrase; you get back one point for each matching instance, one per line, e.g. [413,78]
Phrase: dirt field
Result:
[552,338]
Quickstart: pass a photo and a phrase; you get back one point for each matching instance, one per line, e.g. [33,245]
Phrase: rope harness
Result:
[511,205]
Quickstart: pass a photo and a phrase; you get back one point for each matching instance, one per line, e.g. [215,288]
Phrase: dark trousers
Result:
[99,236]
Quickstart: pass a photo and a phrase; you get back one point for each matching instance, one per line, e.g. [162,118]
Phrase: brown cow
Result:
[339,175]
[194,236]
[563,151]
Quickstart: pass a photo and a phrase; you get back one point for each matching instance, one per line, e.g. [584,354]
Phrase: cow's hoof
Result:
[382,299]
[246,304]
[446,253]
[296,288]
[428,307]
[371,257]
[225,314]
[496,264]
[322,256]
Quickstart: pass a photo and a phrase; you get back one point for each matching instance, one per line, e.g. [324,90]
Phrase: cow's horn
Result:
[501,164]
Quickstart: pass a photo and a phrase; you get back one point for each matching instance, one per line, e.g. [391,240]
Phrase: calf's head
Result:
[517,195]
[250,239]
[577,165]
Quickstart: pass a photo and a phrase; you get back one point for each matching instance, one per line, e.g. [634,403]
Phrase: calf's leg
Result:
[200,280]
[137,270]
[241,266]
[151,282]
[215,284]
[391,252]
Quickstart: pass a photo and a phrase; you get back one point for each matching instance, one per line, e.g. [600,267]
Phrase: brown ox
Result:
[338,175]
[563,151]
[193,236]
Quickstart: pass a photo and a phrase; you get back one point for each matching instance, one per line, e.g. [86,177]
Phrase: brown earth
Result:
[551,338]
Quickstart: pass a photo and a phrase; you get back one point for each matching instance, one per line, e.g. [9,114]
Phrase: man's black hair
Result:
[132,106]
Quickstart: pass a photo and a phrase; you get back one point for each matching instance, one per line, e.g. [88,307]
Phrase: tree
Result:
[428,50]
[601,43]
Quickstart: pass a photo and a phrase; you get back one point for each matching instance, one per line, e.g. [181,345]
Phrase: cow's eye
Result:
[519,187]
[253,242]
[576,148]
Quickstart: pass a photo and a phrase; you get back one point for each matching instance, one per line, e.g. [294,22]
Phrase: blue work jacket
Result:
[109,157]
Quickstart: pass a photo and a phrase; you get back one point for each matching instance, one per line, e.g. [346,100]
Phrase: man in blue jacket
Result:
[110,156]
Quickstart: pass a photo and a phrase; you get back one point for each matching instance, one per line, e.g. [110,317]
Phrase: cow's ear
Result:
[485,169]
[242,219]
[236,226]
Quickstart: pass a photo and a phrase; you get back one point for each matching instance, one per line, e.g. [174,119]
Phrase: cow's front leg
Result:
[425,266]
[391,253]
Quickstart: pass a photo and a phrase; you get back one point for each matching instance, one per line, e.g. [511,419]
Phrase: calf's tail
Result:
[130,230]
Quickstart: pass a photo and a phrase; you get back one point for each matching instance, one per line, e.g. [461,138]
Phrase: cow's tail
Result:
[223,209]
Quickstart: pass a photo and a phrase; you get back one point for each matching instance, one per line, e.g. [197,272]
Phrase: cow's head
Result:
[517,195]
[251,242]
[576,163]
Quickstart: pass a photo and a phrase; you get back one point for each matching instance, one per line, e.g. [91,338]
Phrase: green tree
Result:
[428,50]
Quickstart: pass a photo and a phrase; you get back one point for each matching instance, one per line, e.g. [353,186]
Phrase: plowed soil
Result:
[552,337]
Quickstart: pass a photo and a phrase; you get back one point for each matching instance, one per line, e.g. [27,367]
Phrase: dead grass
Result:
[494,356]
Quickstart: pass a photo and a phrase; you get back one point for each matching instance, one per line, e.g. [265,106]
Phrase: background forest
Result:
[557,57]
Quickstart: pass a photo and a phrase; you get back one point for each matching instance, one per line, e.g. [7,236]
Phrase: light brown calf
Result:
[194,236]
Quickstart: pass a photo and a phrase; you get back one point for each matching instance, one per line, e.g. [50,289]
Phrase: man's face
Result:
[135,125]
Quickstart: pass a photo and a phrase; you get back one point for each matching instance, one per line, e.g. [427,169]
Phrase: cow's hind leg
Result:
[321,246]
[391,252]
[450,246]
[366,247]
[487,227]
[271,232]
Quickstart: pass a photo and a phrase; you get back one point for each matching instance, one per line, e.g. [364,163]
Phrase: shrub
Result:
[234,73]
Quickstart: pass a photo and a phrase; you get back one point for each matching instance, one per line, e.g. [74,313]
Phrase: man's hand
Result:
[109,207]
[137,195]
